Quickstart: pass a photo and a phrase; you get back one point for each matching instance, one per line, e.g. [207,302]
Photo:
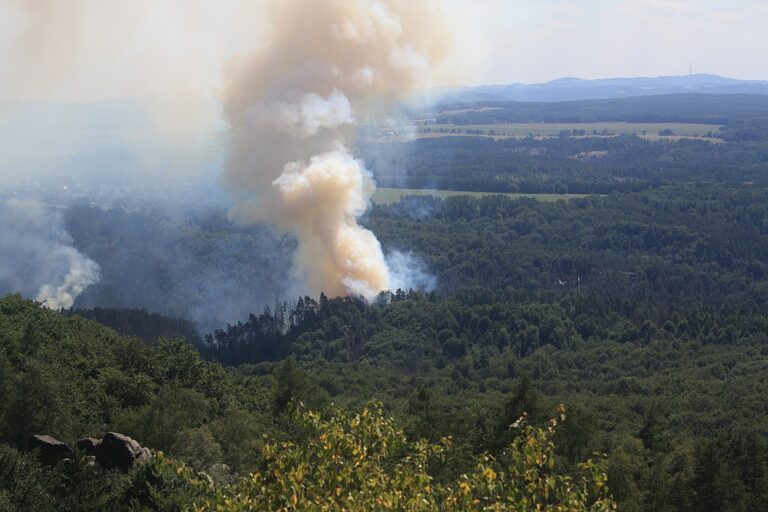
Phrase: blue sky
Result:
[93,49]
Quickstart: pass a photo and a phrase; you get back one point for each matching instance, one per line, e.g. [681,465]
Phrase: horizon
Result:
[617,77]
[738,81]
[80,50]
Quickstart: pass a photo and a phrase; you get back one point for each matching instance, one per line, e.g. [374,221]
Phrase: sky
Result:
[88,50]
[542,40]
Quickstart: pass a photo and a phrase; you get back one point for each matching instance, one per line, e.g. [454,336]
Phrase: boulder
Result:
[88,445]
[116,451]
[52,451]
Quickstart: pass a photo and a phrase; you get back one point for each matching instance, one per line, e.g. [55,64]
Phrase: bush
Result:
[364,462]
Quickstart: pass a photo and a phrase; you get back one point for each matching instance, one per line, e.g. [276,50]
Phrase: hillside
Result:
[680,108]
[72,378]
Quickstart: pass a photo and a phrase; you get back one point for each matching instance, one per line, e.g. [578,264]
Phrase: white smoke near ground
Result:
[409,272]
[295,108]
[38,259]
[81,274]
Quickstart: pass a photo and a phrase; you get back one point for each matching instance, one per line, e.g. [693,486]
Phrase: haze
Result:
[88,50]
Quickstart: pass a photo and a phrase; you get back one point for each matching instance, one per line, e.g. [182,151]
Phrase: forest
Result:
[681,107]
[601,351]
[579,162]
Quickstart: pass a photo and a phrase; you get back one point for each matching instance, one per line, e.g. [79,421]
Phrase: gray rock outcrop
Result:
[52,451]
[88,445]
[116,451]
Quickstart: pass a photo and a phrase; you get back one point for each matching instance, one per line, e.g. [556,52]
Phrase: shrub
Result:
[364,462]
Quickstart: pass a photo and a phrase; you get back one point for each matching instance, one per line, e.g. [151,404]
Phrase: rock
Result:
[117,451]
[52,451]
[88,445]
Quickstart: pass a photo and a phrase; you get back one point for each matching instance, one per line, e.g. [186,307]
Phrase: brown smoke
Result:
[294,108]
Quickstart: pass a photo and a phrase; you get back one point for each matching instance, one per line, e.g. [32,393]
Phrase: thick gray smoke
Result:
[37,258]
[295,108]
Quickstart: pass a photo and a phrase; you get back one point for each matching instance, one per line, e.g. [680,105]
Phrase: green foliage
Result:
[654,404]
[159,485]
[240,435]
[644,312]
[82,379]
[291,384]
[140,323]
[198,447]
[24,484]
[641,392]
[172,410]
[364,462]
[165,485]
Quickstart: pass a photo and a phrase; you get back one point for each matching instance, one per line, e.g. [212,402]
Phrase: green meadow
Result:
[393,195]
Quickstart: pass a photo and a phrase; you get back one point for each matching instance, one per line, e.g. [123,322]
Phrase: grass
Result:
[393,195]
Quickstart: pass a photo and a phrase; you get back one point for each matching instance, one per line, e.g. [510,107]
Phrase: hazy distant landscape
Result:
[266,257]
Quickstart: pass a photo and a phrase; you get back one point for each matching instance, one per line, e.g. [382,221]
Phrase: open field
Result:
[554,129]
[393,195]
[655,137]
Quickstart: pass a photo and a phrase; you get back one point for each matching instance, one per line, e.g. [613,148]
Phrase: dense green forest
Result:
[627,163]
[673,245]
[71,377]
[680,108]
[702,244]
[641,308]
[643,313]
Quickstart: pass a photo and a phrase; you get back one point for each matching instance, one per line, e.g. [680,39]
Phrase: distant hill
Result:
[564,89]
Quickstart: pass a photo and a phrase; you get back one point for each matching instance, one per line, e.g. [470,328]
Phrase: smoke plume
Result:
[409,272]
[295,107]
[37,257]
